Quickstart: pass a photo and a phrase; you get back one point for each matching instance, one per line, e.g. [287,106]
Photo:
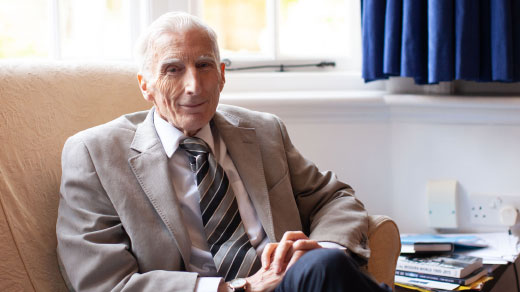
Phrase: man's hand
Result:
[277,258]
[293,245]
[264,280]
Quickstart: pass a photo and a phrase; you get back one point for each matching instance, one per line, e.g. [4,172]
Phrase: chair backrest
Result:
[41,105]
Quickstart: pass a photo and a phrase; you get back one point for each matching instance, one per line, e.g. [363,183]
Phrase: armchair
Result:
[42,105]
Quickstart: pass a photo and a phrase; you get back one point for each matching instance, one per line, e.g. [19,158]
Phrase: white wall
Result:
[483,158]
[388,147]
[358,153]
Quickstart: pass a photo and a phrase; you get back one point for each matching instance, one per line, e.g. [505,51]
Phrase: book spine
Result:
[431,277]
[428,269]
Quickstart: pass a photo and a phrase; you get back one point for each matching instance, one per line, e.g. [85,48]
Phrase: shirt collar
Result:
[171,137]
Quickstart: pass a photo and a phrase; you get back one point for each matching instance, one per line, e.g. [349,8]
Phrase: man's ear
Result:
[222,75]
[143,85]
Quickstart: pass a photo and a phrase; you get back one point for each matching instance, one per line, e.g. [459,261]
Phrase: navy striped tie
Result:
[228,242]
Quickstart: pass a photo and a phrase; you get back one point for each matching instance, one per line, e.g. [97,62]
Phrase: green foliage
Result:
[114,5]
[9,48]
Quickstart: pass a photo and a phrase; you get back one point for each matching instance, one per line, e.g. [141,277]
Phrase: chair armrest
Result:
[385,245]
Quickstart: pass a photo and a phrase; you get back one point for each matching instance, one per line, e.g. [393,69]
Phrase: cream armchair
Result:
[41,105]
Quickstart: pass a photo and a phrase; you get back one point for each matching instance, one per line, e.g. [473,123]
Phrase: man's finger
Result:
[279,255]
[306,244]
[296,256]
[267,254]
[289,254]
[293,235]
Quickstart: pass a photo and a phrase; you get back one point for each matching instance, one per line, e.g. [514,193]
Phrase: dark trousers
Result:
[328,270]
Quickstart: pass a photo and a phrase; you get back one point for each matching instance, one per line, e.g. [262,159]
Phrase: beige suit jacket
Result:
[120,226]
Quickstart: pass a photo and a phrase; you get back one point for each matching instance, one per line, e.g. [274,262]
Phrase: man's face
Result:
[185,80]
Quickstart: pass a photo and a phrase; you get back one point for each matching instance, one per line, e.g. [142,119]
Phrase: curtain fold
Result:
[441,40]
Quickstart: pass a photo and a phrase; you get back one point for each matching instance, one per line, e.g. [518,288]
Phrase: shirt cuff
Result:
[207,284]
[328,244]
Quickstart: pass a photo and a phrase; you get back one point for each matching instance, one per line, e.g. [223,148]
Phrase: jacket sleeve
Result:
[93,247]
[328,209]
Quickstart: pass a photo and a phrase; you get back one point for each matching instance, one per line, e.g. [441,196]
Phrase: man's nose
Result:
[191,81]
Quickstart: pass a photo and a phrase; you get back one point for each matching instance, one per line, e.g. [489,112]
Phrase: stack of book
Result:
[454,268]
[429,261]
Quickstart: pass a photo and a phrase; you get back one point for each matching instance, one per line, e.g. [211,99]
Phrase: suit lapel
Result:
[244,150]
[150,167]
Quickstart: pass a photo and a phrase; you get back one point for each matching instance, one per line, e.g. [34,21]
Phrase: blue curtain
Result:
[441,40]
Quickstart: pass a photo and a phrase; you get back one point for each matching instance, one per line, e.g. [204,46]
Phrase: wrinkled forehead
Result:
[185,45]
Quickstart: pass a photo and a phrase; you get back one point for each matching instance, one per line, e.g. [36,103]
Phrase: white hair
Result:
[169,23]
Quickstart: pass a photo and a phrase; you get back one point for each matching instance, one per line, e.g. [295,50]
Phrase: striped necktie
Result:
[228,242]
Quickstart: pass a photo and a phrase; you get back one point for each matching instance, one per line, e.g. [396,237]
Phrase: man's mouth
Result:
[193,106]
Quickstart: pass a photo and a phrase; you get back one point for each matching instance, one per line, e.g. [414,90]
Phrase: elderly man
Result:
[193,196]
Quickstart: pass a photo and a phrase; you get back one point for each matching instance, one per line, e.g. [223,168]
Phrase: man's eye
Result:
[204,65]
[172,69]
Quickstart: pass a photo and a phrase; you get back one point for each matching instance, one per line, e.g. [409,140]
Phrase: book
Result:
[458,240]
[453,265]
[427,247]
[477,274]
[423,284]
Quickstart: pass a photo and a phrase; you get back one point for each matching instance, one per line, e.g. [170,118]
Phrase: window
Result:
[253,32]
[94,28]
[68,29]
[285,29]
[24,34]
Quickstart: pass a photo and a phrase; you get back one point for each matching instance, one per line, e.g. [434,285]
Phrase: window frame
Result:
[139,13]
[347,72]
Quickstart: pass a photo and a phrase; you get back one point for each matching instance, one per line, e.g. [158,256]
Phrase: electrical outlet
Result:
[485,208]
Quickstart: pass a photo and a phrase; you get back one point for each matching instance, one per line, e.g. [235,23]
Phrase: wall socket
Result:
[485,207]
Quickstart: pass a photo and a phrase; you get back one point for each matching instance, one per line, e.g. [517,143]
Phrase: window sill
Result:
[454,109]
[325,80]
[376,106]
[316,106]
